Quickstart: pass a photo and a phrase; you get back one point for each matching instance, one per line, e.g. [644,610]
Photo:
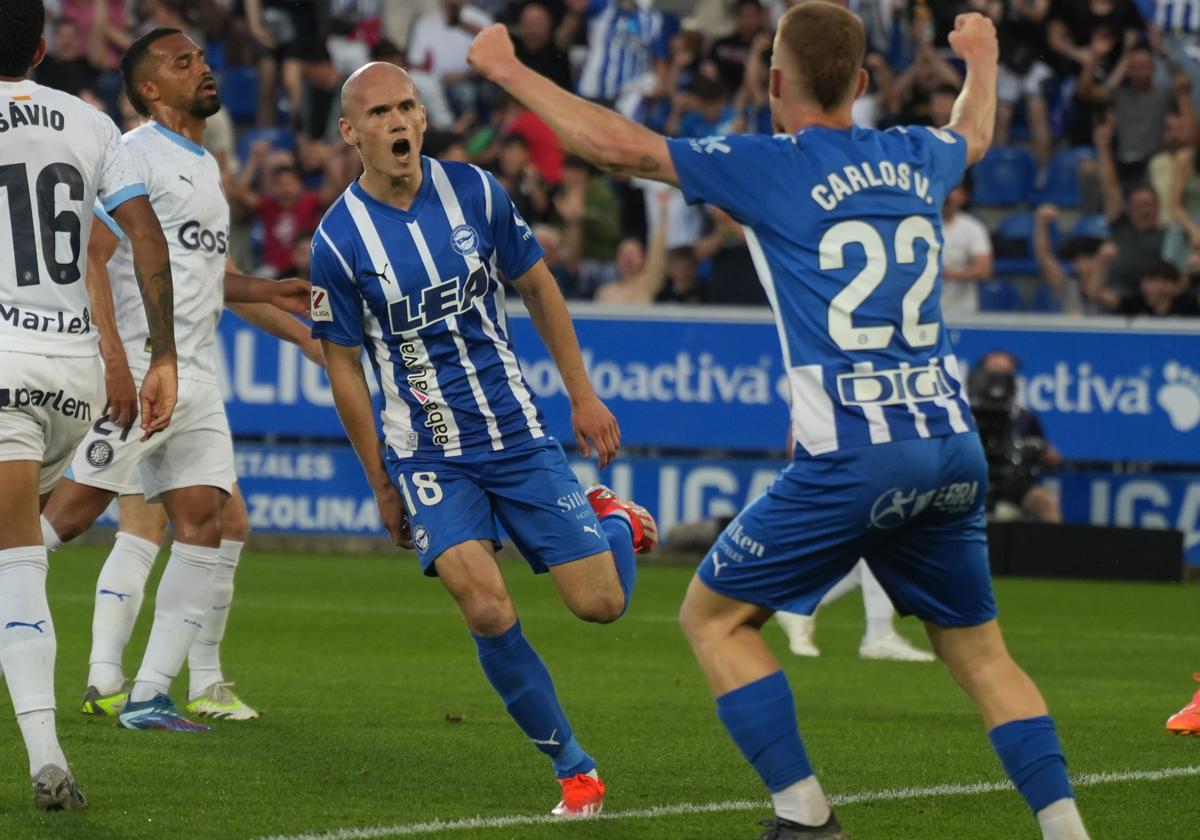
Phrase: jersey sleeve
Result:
[517,249]
[944,152]
[102,216]
[336,305]
[736,173]
[120,175]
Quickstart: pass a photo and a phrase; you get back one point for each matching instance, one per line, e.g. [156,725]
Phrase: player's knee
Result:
[201,529]
[487,615]
[694,627]
[600,607]
[235,522]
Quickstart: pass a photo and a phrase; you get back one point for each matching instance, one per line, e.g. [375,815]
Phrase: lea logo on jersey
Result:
[437,302]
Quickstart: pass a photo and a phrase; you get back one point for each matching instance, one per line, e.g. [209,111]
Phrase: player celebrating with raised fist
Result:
[844,227]
[409,262]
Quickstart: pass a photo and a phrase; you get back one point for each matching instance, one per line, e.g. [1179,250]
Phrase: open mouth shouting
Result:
[402,149]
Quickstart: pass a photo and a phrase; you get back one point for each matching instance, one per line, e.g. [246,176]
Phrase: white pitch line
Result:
[885,795]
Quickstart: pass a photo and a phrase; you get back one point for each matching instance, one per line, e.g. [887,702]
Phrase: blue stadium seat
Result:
[1061,182]
[1012,245]
[239,93]
[1004,177]
[1044,301]
[280,138]
[999,296]
[1092,227]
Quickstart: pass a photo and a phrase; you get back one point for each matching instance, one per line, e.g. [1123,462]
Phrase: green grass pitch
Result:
[376,714]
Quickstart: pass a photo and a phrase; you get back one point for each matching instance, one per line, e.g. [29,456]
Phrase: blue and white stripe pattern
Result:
[622,44]
[1177,15]
[421,290]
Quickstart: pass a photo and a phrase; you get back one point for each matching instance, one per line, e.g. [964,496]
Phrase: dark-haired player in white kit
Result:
[57,157]
[190,468]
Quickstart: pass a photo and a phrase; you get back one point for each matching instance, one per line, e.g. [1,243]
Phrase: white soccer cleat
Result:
[218,701]
[894,648]
[799,630]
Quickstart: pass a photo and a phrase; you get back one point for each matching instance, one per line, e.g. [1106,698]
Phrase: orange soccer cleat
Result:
[582,796]
[606,503]
[1187,720]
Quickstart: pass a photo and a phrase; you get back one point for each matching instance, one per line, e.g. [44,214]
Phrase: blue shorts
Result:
[529,488]
[913,509]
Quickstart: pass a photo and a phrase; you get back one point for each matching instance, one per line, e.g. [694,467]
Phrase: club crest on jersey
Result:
[465,240]
[421,538]
[100,453]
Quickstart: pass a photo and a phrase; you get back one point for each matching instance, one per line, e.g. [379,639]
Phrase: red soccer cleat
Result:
[582,796]
[1187,720]
[607,503]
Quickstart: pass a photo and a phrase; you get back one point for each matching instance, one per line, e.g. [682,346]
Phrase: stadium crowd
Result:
[1089,203]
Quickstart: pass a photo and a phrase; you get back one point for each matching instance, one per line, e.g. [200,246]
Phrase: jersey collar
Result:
[412,212]
[178,139]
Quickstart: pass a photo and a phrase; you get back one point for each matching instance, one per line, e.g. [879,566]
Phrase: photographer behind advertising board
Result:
[1016,447]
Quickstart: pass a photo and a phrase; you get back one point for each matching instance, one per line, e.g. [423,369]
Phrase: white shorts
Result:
[1010,87]
[46,407]
[196,450]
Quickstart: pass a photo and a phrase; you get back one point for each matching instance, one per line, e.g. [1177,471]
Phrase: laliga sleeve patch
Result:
[319,307]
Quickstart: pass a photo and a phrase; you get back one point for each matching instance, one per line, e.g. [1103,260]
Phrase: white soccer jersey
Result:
[184,183]
[58,156]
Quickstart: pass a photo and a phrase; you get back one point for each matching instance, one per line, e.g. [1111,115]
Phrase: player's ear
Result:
[347,132]
[148,91]
[864,79]
[775,82]
[39,53]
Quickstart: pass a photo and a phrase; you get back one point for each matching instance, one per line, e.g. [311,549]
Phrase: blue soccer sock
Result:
[761,719]
[520,678]
[1033,758]
[620,541]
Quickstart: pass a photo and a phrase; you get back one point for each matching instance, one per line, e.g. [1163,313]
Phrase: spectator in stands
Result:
[640,273]
[732,52]
[1015,439]
[520,179]
[683,278]
[966,254]
[1132,217]
[1162,291]
[285,209]
[438,45]
[1023,75]
[1173,175]
[591,221]
[537,47]
[1081,252]
[71,65]
[1141,108]
[625,39]
[550,238]
[102,25]
[285,31]
[910,94]
[1173,30]
[703,111]
[734,278]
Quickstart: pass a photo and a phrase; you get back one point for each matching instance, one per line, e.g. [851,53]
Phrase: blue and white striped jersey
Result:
[844,227]
[1172,15]
[421,290]
[622,45]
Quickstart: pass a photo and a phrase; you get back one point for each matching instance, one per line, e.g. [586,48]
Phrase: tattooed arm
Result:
[594,133]
[152,267]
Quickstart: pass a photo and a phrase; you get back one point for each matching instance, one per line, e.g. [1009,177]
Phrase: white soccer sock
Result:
[880,614]
[179,612]
[119,591]
[847,584]
[50,537]
[204,659]
[802,802]
[1061,821]
[27,647]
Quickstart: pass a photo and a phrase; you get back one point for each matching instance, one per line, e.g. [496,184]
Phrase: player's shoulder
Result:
[465,178]
[922,135]
[337,228]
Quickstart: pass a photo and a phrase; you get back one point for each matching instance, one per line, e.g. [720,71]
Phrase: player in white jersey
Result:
[57,157]
[190,468]
[844,225]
